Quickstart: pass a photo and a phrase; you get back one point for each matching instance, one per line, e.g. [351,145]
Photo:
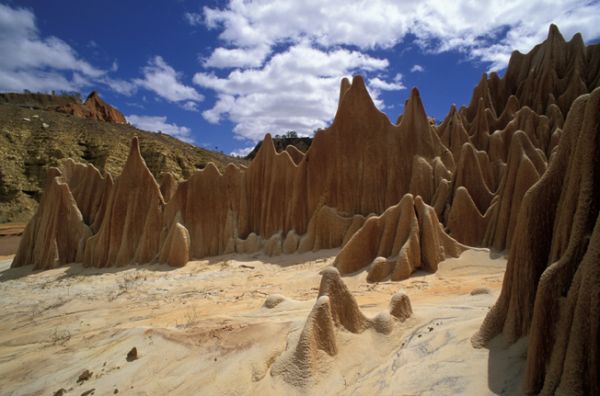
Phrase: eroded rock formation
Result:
[56,233]
[406,237]
[517,169]
[551,287]
[336,308]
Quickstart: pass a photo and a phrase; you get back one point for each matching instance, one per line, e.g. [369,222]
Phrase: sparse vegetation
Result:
[28,150]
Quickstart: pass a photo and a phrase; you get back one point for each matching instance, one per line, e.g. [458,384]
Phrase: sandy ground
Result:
[202,329]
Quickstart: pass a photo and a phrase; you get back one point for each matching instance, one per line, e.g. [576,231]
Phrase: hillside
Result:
[28,149]
[282,142]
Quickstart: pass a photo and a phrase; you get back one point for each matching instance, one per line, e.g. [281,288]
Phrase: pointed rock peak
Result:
[356,103]
[554,33]
[358,82]
[135,162]
[468,155]
[52,173]
[102,111]
[211,169]
[344,87]
[268,139]
[134,148]
[359,94]
[231,169]
[267,149]
[577,40]
[414,111]
[92,95]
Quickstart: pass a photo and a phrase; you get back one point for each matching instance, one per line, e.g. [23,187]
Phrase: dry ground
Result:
[202,329]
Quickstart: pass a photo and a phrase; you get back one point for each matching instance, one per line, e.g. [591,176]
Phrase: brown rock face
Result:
[502,141]
[132,223]
[102,111]
[57,232]
[93,107]
[551,286]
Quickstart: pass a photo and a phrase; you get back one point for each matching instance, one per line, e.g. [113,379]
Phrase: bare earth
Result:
[202,329]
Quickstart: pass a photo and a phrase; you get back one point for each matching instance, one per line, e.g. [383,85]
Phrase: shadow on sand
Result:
[506,365]
[77,269]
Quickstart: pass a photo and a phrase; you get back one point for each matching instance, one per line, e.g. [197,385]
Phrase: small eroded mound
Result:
[335,308]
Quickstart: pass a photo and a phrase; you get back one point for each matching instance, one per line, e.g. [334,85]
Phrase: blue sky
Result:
[222,74]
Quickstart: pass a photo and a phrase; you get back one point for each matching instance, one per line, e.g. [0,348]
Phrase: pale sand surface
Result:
[202,329]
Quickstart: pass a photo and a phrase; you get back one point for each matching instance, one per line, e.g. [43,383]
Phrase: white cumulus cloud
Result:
[438,25]
[286,57]
[417,69]
[164,81]
[160,124]
[242,152]
[32,62]
[295,90]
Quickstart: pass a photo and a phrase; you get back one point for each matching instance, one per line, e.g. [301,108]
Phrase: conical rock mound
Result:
[335,308]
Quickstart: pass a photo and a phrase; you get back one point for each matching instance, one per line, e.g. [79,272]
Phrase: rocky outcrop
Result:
[94,108]
[406,237]
[551,286]
[102,111]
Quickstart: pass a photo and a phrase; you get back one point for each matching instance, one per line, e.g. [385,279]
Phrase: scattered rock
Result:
[89,392]
[60,392]
[132,354]
[400,306]
[246,266]
[45,126]
[480,290]
[273,300]
[26,119]
[86,375]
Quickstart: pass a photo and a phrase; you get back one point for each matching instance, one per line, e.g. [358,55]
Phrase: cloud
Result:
[194,19]
[242,152]
[438,25]
[160,124]
[417,69]
[35,63]
[379,84]
[189,106]
[295,90]
[287,57]
[163,80]
[237,57]
[123,87]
